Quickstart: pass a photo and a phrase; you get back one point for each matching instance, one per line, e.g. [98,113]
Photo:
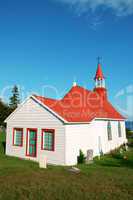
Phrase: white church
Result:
[58,129]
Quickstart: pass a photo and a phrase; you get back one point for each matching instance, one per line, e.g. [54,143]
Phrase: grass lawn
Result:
[110,178]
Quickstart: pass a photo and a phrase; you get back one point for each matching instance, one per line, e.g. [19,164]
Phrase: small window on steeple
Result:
[109,131]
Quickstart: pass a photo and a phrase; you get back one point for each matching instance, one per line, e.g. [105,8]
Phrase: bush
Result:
[117,153]
[2,142]
[129,133]
[130,142]
[81,157]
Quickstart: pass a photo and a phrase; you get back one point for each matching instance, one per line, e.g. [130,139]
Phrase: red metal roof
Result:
[81,105]
[99,73]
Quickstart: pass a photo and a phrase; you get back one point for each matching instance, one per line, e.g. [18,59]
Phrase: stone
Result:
[89,157]
[74,170]
[43,161]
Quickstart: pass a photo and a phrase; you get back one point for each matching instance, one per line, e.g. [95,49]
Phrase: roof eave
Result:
[112,119]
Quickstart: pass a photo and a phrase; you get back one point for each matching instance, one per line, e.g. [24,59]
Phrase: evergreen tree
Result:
[14,99]
[5,111]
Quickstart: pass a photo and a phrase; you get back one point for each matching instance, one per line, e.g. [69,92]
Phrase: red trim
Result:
[27,142]
[53,144]
[13,142]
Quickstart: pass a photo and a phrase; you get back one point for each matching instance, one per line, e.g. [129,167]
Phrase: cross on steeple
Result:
[98,59]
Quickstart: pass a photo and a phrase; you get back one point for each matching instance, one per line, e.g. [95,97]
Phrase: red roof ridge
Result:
[45,98]
[76,89]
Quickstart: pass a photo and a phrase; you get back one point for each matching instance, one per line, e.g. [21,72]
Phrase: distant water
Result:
[129,125]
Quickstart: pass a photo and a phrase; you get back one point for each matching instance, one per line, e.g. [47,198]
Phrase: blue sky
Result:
[52,42]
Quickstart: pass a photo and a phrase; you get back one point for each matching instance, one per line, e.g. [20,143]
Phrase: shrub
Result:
[117,153]
[130,142]
[81,157]
[129,133]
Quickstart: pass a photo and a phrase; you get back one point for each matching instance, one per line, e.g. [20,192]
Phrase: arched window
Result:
[119,129]
[109,131]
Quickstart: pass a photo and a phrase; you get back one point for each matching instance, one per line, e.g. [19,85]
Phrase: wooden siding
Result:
[32,115]
[86,136]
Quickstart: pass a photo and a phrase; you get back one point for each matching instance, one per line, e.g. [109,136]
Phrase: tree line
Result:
[7,108]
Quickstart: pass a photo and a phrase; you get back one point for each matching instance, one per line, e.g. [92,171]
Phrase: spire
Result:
[99,77]
[99,74]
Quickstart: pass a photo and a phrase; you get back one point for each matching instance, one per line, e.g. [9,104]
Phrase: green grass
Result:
[107,179]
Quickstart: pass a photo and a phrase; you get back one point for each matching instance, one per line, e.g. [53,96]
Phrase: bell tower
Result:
[99,77]
[100,87]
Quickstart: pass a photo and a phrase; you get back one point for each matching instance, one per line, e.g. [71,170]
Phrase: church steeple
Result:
[100,88]
[99,77]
